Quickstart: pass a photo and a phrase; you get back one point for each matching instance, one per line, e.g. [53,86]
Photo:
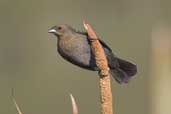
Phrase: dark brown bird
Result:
[75,47]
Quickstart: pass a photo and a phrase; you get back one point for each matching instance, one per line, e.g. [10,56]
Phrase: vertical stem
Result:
[106,95]
[161,70]
[102,64]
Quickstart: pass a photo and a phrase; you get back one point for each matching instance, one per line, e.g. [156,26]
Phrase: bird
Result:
[75,47]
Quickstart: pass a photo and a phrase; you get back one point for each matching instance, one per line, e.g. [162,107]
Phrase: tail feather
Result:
[124,72]
[129,68]
[119,75]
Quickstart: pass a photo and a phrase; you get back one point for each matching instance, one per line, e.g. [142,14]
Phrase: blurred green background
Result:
[43,81]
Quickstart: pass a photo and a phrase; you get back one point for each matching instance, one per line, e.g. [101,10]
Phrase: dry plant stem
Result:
[74,105]
[15,103]
[17,107]
[101,62]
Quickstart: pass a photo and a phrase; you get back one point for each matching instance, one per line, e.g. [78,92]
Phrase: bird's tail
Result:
[125,71]
[119,75]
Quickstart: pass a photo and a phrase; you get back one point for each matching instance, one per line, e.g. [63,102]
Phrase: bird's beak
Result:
[52,31]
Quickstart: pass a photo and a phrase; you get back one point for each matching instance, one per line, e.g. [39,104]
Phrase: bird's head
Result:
[61,30]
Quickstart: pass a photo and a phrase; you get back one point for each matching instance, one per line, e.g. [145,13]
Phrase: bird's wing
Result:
[105,45]
[101,41]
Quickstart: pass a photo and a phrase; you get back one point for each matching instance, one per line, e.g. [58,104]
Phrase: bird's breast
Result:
[76,51]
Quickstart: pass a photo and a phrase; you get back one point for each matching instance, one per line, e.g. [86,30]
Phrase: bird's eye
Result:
[59,28]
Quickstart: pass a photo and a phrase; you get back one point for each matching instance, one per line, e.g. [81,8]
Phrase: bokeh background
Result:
[136,30]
